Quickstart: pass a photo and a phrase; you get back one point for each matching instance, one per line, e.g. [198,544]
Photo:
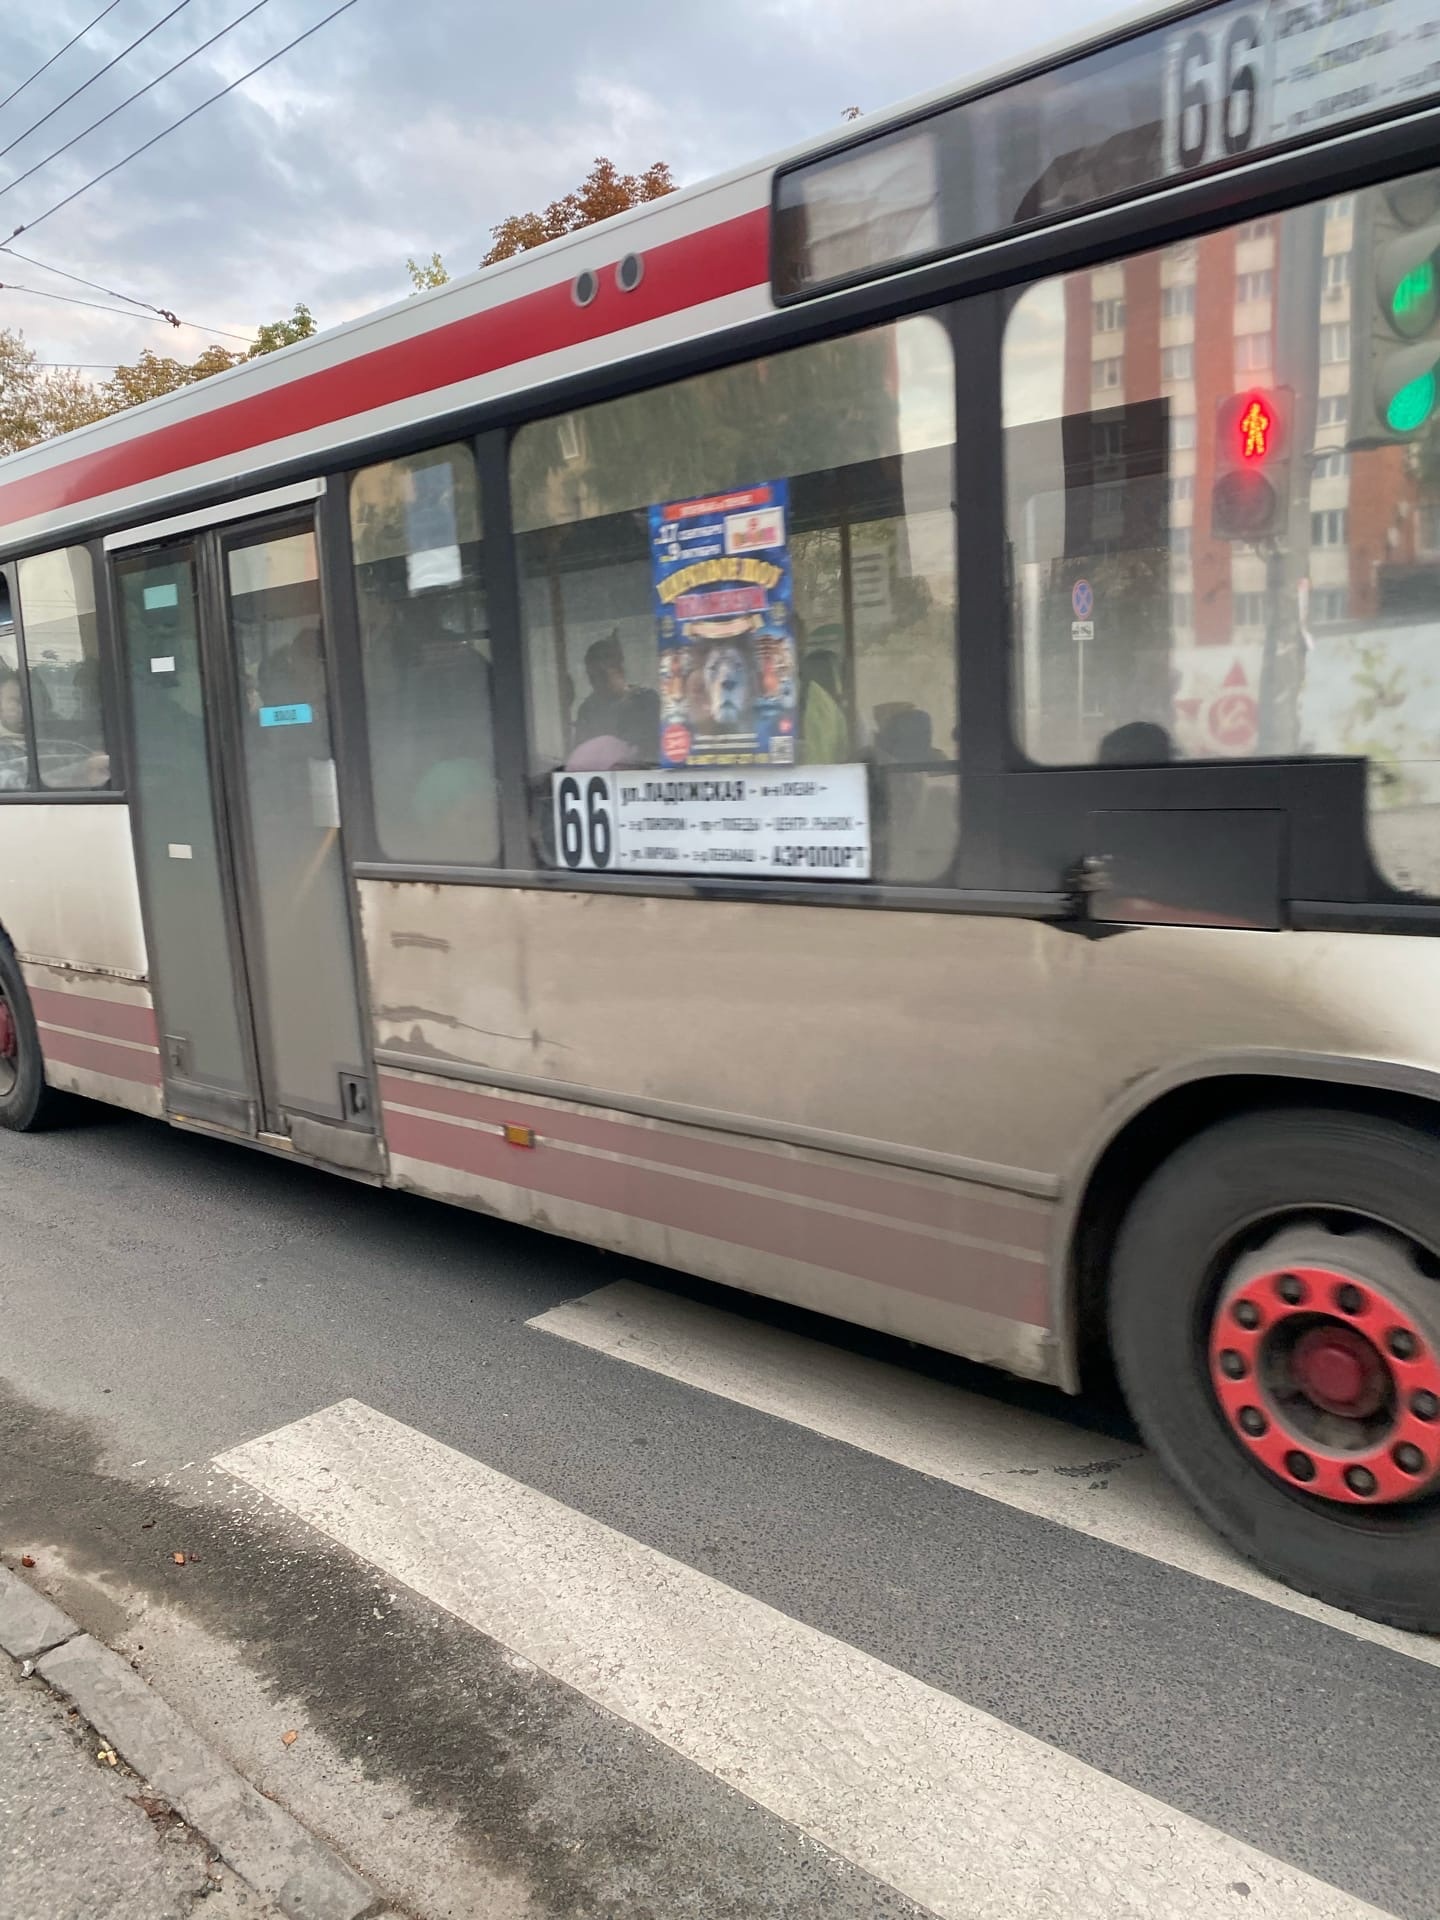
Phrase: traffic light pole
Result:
[1299,270]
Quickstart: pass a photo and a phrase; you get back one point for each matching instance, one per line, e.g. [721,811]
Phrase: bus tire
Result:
[1275,1323]
[26,1103]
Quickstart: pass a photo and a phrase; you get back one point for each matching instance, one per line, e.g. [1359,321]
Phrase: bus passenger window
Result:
[57,617]
[1223,506]
[754,568]
[425,652]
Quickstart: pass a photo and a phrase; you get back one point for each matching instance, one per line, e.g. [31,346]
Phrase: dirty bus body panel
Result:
[866,730]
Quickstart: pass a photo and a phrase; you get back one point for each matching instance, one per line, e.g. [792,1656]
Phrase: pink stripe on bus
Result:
[94,1014]
[999,1283]
[101,1056]
[965,1210]
[731,257]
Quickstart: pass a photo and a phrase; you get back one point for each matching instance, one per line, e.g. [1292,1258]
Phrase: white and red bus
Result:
[869,730]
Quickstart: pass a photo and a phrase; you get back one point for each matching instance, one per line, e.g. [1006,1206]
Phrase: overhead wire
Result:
[15,92]
[174,127]
[130,99]
[98,74]
[157,313]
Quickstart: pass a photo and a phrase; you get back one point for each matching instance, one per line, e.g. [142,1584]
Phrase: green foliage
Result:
[425,274]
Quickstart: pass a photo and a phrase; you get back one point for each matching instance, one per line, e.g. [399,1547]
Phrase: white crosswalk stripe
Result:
[958,1811]
[1022,1459]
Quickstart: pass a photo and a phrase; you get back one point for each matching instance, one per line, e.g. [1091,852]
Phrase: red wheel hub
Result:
[1330,1381]
[9,1042]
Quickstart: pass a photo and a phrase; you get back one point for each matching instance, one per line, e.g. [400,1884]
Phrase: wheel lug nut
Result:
[1425,1405]
[1403,1344]
[1254,1422]
[1232,1365]
[1248,1314]
[1299,1466]
[1360,1480]
[1409,1459]
[1291,1289]
[1349,1299]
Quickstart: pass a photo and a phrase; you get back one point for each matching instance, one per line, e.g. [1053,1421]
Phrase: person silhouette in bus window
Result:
[621,720]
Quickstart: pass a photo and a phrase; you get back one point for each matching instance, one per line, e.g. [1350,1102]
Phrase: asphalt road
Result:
[674,1605]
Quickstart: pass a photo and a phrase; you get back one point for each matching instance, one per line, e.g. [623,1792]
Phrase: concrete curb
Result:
[266,1846]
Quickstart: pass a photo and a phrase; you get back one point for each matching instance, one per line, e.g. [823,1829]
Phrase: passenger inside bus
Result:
[618,723]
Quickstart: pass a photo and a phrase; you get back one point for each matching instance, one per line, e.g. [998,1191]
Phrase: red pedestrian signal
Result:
[1250,497]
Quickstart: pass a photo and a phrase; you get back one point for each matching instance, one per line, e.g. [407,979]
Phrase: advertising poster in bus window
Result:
[725,622]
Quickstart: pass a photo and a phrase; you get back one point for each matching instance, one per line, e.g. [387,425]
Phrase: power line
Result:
[147,306]
[35,124]
[15,92]
[174,127]
[73,300]
[20,178]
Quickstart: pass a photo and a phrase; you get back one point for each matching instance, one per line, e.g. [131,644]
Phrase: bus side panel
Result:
[948,1262]
[70,905]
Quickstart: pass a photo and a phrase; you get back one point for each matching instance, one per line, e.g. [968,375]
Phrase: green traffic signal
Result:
[1413,302]
[1412,406]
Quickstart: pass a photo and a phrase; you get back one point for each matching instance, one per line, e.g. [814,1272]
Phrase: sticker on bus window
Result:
[163,596]
[725,623]
[297,716]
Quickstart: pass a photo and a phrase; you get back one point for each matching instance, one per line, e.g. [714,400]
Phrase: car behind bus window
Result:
[1223,503]
[57,616]
[425,649]
[831,466]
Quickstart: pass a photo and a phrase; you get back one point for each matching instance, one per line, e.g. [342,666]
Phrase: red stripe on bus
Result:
[730,258]
[961,1210]
[889,1256]
[111,1018]
[101,1056]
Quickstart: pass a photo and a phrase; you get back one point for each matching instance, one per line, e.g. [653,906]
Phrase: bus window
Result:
[1221,546]
[425,650]
[827,473]
[14,754]
[57,610]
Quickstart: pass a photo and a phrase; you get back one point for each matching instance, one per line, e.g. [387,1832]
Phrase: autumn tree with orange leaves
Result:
[603,191]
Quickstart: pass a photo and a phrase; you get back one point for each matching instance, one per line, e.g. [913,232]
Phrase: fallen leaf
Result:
[178,1558]
[27,1559]
[289,1739]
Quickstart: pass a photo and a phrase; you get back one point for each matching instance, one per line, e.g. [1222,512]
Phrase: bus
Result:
[868,730]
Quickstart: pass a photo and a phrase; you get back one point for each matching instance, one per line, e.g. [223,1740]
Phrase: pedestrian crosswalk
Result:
[951,1806]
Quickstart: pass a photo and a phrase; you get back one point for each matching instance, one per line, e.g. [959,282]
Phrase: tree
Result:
[19,393]
[282,333]
[604,191]
[425,274]
[153,374]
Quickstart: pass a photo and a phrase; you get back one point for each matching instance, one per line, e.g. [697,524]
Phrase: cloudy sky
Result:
[405,126]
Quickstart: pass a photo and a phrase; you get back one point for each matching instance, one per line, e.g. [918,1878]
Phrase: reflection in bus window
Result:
[425,648]
[1230,553]
[14,754]
[57,611]
[834,465]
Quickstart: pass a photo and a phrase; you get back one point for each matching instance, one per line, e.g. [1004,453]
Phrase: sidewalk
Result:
[81,1840]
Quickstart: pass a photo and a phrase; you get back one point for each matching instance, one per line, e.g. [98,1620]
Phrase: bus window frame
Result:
[32,789]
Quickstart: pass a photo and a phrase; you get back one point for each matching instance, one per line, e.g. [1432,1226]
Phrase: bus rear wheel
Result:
[1275,1322]
[25,1100]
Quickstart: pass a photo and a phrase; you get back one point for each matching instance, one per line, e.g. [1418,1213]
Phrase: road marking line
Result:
[971,1818]
[1100,1487]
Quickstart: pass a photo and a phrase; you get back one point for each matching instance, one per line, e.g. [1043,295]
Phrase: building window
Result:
[1177,301]
[1106,374]
[58,629]
[425,656]
[1341,208]
[1332,466]
[1109,315]
[1253,286]
[1177,363]
[1329,527]
[1328,604]
[1180,542]
[1182,487]
[1182,609]
[1332,410]
[1253,352]
[828,471]
[1334,343]
[1248,609]
[1255,230]
[1182,432]
[1337,271]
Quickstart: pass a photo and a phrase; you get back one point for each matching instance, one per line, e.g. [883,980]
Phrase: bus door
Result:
[238,837]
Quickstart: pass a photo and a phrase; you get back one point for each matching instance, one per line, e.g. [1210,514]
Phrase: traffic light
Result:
[1395,338]
[1250,496]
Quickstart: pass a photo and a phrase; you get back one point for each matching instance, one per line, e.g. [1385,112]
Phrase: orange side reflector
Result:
[520,1136]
